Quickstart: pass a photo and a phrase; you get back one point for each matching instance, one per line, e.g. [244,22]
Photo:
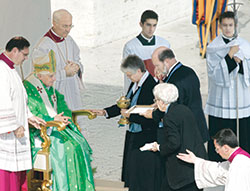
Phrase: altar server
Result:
[228,67]
[15,156]
[145,43]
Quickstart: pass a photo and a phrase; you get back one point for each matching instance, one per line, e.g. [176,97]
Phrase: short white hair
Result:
[58,14]
[168,93]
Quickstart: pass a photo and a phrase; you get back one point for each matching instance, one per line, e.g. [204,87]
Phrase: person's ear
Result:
[54,23]
[15,50]
[161,103]
[165,62]
[141,24]
[226,148]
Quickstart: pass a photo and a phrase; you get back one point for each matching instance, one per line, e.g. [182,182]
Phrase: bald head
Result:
[157,52]
[62,22]
[160,49]
[57,15]
[163,58]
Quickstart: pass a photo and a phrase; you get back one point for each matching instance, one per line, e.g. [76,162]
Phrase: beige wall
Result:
[28,18]
[101,21]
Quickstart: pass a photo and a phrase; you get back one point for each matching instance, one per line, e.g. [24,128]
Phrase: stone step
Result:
[107,185]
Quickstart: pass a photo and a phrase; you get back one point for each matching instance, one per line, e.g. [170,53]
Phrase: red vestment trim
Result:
[53,37]
[238,151]
[7,61]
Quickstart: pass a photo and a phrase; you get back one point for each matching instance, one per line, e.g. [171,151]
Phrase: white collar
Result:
[142,80]
[148,39]
[231,38]
[56,34]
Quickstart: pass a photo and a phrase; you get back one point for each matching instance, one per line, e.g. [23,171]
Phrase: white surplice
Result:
[70,87]
[144,52]
[15,154]
[235,176]
[222,89]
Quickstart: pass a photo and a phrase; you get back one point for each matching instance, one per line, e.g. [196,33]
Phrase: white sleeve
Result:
[246,69]
[76,55]
[126,51]
[210,174]
[8,120]
[29,112]
[218,70]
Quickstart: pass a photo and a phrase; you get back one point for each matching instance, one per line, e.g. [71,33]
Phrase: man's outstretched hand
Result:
[190,157]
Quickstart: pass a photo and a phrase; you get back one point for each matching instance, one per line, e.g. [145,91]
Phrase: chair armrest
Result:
[43,132]
[86,112]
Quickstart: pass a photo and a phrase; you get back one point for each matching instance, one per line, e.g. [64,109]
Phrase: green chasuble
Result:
[69,150]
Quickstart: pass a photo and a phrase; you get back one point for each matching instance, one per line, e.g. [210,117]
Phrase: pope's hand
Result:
[61,118]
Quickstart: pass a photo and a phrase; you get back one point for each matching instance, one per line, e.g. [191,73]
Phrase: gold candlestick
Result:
[123,103]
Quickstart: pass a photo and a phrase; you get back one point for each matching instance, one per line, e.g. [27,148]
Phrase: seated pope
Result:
[70,152]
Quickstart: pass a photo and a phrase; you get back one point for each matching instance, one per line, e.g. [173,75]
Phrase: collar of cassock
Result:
[145,41]
[226,39]
[4,58]
[236,152]
[53,36]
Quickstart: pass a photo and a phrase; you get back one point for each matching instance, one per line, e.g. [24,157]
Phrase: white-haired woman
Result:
[180,132]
